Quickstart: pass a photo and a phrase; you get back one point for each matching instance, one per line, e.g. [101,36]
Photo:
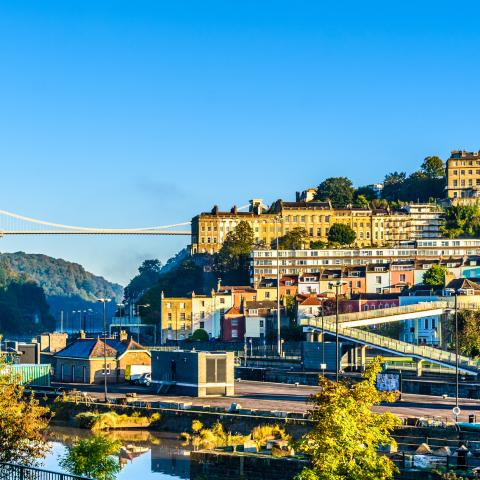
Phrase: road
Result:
[279,396]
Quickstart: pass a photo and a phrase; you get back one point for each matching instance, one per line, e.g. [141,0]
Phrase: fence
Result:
[11,471]
[449,463]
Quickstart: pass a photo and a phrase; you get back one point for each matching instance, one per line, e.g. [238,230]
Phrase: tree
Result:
[367,191]
[469,333]
[232,261]
[22,422]
[461,221]
[392,185]
[341,234]
[294,239]
[361,201]
[93,458]
[199,335]
[433,167]
[339,190]
[435,276]
[150,267]
[346,434]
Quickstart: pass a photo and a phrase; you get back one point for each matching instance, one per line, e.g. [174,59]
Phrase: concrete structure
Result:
[199,374]
[463,177]
[83,360]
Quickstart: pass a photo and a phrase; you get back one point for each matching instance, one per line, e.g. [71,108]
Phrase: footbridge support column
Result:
[363,357]
[419,367]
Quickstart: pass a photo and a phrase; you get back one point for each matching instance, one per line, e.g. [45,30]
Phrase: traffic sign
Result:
[456,411]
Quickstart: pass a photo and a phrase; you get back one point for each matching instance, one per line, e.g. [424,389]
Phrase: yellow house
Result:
[175,318]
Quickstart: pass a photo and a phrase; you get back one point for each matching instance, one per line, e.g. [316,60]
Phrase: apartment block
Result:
[377,227]
[463,177]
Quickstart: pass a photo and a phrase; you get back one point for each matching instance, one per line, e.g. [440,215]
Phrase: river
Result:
[164,456]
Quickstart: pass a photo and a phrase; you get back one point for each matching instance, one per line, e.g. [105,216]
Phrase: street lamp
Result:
[455,309]
[104,301]
[279,343]
[146,305]
[337,285]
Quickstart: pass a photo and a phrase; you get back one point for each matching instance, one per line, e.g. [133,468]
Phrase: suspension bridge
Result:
[15,224]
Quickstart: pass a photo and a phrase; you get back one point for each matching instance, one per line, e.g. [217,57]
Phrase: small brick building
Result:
[83,360]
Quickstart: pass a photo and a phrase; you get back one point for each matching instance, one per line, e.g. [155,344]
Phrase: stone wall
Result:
[236,466]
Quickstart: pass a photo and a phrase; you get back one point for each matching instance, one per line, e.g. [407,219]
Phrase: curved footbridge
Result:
[347,323]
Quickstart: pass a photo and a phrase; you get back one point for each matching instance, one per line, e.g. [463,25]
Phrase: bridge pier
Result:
[363,357]
[315,336]
[419,364]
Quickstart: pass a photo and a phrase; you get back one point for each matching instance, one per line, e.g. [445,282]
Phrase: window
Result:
[202,324]
[222,300]
[402,277]
[182,316]
[253,311]
[261,323]
[426,323]
[234,322]
[378,290]
[234,333]
[182,305]
[267,294]
[169,305]
[378,279]
[169,316]
[202,314]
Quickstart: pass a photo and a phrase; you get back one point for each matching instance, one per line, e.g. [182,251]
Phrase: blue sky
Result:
[137,113]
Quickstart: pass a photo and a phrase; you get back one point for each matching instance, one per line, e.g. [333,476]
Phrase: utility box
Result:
[198,374]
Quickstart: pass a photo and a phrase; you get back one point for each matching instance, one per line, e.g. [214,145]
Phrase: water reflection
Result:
[144,454]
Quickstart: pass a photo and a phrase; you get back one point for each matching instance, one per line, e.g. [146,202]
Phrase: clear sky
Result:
[137,113]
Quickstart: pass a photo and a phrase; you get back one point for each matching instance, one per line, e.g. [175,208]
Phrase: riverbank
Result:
[179,420]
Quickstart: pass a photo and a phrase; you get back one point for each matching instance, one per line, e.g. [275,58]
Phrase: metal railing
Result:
[422,352]
[12,471]
[388,312]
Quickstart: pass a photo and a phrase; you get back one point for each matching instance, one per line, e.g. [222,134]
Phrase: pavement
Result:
[292,398]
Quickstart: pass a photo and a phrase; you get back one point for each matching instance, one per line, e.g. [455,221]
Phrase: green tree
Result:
[366,191]
[232,261]
[393,185]
[433,167]
[318,245]
[341,234]
[93,457]
[346,434]
[199,335]
[294,239]
[22,422]
[461,221]
[469,333]
[339,190]
[435,276]
[361,201]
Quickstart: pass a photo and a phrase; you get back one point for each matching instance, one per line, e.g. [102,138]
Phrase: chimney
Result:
[123,336]
[82,334]
[219,284]
[234,210]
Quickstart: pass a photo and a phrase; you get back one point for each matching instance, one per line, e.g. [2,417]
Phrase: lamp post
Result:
[104,301]
[457,356]
[279,343]
[146,305]
[337,286]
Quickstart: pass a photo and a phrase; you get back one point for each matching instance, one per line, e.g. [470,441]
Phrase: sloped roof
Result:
[233,311]
[94,347]
[311,301]
[463,284]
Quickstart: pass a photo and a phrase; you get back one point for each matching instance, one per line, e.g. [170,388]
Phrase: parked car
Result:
[133,373]
[145,379]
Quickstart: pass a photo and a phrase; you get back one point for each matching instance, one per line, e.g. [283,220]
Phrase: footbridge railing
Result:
[421,352]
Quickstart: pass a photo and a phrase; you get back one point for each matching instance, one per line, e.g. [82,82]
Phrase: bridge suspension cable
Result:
[17,226]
